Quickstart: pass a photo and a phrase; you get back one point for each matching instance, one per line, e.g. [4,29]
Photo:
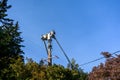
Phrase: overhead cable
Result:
[97,59]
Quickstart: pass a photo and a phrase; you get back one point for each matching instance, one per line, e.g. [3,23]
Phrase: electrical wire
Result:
[97,59]
[68,57]
[64,52]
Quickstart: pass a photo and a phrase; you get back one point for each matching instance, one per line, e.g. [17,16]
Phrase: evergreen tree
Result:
[12,66]
[10,41]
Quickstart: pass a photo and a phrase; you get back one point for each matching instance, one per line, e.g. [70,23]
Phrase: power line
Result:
[97,59]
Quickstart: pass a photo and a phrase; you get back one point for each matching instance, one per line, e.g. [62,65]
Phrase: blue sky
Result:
[84,28]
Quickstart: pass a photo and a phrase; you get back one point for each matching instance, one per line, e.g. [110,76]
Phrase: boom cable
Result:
[45,46]
[64,52]
[97,59]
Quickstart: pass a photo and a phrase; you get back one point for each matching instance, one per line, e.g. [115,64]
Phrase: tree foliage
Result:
[37,71]
[12,65]
[10,41]
[75,67]
[108,71]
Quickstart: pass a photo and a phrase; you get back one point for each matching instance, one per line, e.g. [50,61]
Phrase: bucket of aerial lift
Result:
[48,36]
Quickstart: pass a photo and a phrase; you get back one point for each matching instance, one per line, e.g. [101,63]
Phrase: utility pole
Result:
[48,38]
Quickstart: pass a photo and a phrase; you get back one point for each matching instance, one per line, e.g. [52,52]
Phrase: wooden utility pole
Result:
[48,37]
[49,52]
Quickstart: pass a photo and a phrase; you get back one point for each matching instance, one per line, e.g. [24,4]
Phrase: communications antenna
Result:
[47,39]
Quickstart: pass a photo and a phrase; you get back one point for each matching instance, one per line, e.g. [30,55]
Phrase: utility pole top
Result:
[48,37]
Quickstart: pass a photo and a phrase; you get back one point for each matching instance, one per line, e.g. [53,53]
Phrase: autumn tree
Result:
[110,70]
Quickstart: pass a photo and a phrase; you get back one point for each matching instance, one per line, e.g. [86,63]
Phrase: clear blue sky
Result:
[84,28]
